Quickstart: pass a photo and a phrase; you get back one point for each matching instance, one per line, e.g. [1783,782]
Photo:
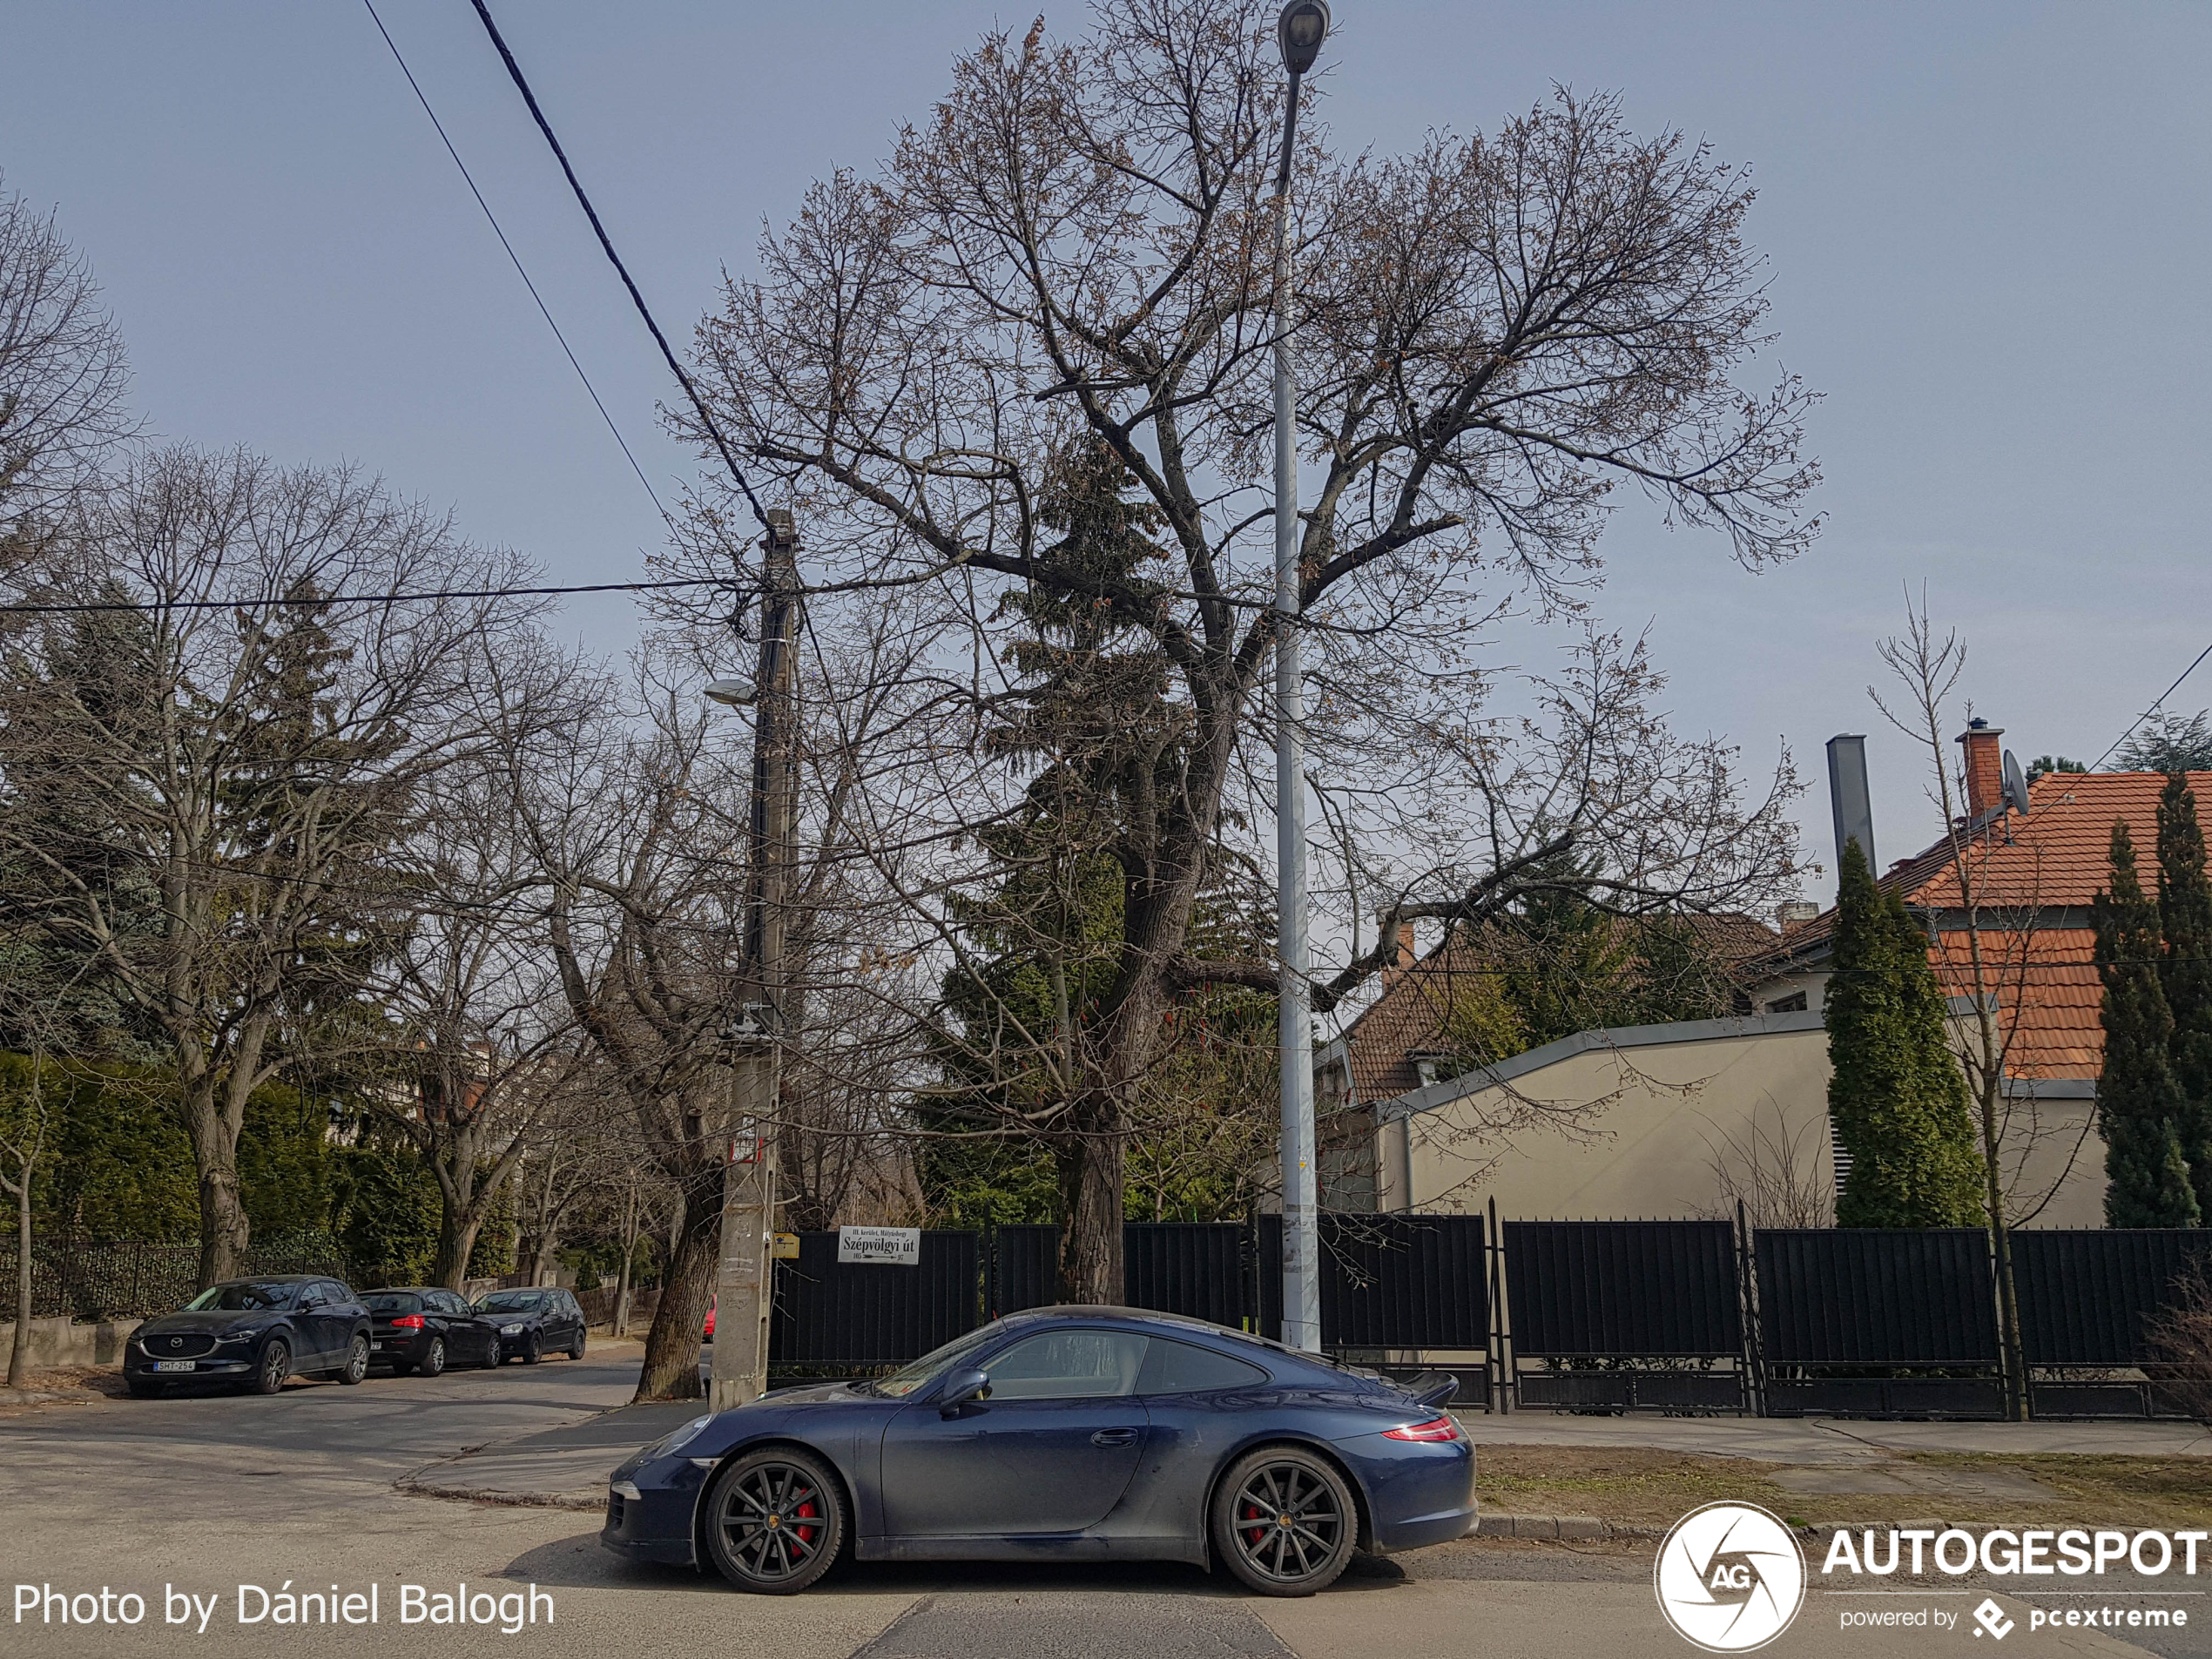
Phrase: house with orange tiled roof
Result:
[1677,1120]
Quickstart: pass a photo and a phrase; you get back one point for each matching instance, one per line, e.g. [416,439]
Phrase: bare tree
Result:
[482,1036]
[62,376]
[1069,259]
[204,792]
[1983,941]
[645,873]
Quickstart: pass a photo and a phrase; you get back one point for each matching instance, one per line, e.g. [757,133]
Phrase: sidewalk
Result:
[567,1468]
[561,1468]
[1829,1440]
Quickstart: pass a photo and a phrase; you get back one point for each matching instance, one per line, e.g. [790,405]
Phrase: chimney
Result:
[1795,913]
[1405,944]
[1847,797]
[1985,767]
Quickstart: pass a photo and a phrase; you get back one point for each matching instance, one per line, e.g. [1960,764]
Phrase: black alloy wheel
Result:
[1284,1521]
[356,1365]
[274,1366]
[774,1522]
[433,1363]
[533,1349]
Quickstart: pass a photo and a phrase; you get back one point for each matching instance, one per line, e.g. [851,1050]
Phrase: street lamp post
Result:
[1299,32]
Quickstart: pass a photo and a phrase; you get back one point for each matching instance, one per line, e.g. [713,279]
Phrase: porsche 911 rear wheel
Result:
[774,1522]
[1284,1521]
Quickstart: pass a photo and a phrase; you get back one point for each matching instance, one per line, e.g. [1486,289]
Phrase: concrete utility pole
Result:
[1299,32]
[743,1283]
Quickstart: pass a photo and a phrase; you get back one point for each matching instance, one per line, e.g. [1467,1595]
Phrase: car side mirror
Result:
[962,1386]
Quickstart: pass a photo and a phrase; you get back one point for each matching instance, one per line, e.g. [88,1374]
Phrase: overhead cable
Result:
[355,598]
[706,417]
[492,219]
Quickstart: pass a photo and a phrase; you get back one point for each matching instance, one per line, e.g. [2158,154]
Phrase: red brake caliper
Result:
[1253,1534]
[806,1533]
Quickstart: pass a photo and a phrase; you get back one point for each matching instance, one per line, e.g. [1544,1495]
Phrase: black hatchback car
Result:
[253,1333]
[534,1323]
[422,1328]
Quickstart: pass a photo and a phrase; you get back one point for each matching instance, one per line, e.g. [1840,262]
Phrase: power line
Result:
[357,598]
[706,418]
[2152,710]
[492,218]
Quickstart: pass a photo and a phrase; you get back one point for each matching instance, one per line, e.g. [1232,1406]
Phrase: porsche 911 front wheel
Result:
[1284,1521]
[774,1522]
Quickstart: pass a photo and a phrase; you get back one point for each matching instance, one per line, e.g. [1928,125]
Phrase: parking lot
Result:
[208,1493]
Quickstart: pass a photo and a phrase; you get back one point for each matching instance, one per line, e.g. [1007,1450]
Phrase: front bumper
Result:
[218,1364]
[654,1525]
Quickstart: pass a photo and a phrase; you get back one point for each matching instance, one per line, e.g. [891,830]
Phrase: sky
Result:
[1986,227]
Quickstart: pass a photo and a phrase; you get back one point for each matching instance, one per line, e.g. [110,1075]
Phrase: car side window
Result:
[449,1303]
[311,1297]
[333,1292]
[1069,1364]
[1181,1368]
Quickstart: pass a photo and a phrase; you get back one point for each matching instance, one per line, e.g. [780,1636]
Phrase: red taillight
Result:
[408,1322]
[1437,1428]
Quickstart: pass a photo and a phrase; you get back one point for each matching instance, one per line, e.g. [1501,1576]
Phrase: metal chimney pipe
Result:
[1848,799]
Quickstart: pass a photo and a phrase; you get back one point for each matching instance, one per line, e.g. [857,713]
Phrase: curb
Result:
[412,1486]
[1559,1527]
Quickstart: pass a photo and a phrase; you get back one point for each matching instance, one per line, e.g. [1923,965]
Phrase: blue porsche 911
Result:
[1069,1433]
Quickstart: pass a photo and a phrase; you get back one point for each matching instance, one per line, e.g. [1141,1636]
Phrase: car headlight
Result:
[680,1438]
[510,1330]
[237,1334]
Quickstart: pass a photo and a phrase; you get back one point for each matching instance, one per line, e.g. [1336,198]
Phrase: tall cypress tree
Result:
[2140,1103]
[2185,918]
[1895,1092]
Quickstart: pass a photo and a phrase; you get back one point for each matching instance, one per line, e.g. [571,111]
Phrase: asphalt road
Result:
[195,1497]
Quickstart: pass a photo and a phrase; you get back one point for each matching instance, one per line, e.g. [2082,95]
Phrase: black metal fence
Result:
[1626,1315]
[90,1278]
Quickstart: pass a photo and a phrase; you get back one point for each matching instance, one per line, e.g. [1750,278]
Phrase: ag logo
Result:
[1730,1577]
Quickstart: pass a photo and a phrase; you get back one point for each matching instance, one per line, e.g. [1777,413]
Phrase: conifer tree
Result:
[1895,1093]
[2138,1101]
[2185,919]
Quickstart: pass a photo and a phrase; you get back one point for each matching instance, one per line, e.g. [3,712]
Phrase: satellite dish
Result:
[2015,783]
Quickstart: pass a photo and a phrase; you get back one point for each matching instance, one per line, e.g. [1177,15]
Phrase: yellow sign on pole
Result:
[786,1248]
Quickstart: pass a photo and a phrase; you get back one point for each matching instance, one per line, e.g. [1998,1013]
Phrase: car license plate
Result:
[176,1364]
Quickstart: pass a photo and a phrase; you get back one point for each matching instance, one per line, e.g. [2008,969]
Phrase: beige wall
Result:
[1646,1132]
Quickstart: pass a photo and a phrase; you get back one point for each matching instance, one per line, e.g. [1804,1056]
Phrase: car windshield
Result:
[241,1298]
[393,1302]
[918,1373]
[512,1301]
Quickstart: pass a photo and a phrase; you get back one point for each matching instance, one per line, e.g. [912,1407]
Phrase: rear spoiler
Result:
[1432,1388]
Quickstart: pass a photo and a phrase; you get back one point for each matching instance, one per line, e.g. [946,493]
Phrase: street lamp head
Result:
[1300,31]
[735,694]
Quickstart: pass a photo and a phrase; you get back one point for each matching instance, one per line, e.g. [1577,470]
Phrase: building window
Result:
[1842,1157]
[1794,1003]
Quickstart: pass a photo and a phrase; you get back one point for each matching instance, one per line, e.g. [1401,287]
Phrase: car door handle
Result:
[1113,1437]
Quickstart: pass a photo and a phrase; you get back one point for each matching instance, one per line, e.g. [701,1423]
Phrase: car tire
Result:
[433,1363]
[1284,1521]
[270,1370]
[751,1544]
[356,1365]
[576,1348]
[533,1350]
[144,1387]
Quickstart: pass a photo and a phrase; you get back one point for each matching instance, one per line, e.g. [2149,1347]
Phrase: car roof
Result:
[1180,1324]
[272,1278]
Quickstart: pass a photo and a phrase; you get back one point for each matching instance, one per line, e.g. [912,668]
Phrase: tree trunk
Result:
[671,1367]
[19,1353]
[223,1231]
[1092,1167]
[619,1325]
[458,1226]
